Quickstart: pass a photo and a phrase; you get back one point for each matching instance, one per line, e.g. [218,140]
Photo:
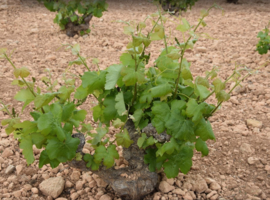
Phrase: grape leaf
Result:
[161,90]
[201,91]
[123,139]
[182,160]
[202,147]
[120,104]
[27,146]
[161,112]
[204,130]
[89,159]
[107,155]
[97,137]
[112,76]
[222,96]
[218,85]
[141,140]
[44,159]
[137,116]
[195,110]
[62,151]
[67,111]
[150,158]
[93,80]
[167,147]
[81,92]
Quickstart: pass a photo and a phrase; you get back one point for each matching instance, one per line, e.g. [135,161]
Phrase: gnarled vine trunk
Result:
[133,182]
[72,29]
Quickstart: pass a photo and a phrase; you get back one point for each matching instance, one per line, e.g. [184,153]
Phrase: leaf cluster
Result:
[263,45]
[75,11]
[173,6]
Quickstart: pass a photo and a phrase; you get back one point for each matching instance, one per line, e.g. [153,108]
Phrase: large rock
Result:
[165,187]
[52,186]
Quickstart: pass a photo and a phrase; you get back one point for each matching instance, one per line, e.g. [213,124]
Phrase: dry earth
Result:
[238,165]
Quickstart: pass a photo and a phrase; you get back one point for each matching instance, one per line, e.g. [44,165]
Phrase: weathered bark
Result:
[72,29]
[133,182]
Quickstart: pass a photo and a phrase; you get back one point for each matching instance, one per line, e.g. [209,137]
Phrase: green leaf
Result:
[150,158]
[43,100]
[123,139]
[127,60]
[204,130]
[158,33]
[118,123]
[101,132]
[120,104]
[89,159]
[38,139]
[27,146]
[218,85]
[161,90]
[201,91]
[79,115]
[167,147]
[107,155]
[27,126]
[97,112]
[60,133]
[137,116]
[76,47]
[141,140]
[202,81]
[195,110]
[21,72]
[62,151]
[65,93]
[161,112]
[131,77]
[24,95]
[128,30]
[182,160]
[223,96]
[81,93]
[112,76]
[93,80]
[184,26]
[109,111]
[45,123]
[202,147]
[67,111]
[44,159]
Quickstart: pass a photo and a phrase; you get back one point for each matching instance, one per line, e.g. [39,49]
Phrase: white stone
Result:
[52,186]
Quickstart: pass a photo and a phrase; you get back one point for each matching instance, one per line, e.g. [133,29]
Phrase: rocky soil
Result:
[238,165]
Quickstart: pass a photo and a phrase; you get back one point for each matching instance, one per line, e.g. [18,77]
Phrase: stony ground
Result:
[238,165]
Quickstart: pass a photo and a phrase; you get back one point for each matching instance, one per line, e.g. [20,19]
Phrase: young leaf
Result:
[90,162]
[120,104]
[182,160]
[62,151]
[204,130]
[161,112]
[222,96]
[218,85]
[141,140]
[195,110]
[112,76]
[101,132]
[202,147]
[123,139]
[137,116]
[161,90]
[201,91]
[107,155]
[27,146]
[93,80]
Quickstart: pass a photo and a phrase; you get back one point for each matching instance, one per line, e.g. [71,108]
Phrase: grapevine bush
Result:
[175,6]
[165,96]
[74,15]
[263,45]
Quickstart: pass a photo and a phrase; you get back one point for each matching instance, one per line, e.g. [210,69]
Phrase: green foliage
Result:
[165,94]
[176,5]
[264,43]
[75,11]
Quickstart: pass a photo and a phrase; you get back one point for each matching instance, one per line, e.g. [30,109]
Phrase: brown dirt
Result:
[28,28]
